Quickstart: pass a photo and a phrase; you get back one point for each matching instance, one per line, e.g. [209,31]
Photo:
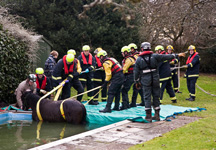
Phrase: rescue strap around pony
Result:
[62,110]
[38,103]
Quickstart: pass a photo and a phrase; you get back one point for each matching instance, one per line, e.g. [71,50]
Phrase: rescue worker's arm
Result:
[161,57]
[18,95]
[48,85]
[107,67]
[34,88]
[79,69]
[137,69]
[57,71]
[128,62]
[194,61]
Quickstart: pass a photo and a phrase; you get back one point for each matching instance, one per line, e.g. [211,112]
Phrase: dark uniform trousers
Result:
[115,88]
[98,80]
[150,87]
[175,80]
[191,82]
[129,80]
[66,91]
[166,84]
[86,80]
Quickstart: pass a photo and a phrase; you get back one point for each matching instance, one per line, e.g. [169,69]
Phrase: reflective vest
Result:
[116,67]
[84,59]
[66,66]
[43,85]
[99,64]
[190,59]
[130,69]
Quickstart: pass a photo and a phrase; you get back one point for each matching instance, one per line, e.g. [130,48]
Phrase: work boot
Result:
[133,105]
[187,98]
[148,115]
[92,103]
[141,104]
[96,101]
[191,99]
[116,108]
[105,110]
[174,101]
[156,115]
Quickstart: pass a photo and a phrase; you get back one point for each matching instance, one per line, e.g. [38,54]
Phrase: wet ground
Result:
[118,136]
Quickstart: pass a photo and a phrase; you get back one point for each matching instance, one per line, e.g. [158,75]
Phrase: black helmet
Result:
[146,46]
[32,77]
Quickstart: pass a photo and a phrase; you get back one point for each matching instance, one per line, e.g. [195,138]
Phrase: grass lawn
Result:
[197,135]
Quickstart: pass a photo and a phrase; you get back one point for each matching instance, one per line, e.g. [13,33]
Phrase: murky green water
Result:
[22,135]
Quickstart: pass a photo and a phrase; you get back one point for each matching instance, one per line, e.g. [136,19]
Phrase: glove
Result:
[185,66]
[87,70]
[105,84]
[172,63]
[43,91]
[66,81]
[181,54]
[138,86]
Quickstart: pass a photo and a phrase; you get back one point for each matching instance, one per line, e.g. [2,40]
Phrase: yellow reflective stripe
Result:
[175,88]
[172,98]
[163,79]
[90,97]
[92,67]
[104,98]
[56,78]
[195,75]
[191,65]
[160,85]
[94,79]
[82,79]
[165,60]
[185,75]
[62,110]
[193,94]
[70,75]
[176,60]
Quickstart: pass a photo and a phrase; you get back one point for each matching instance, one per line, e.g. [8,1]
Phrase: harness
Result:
[190,59]
[66,66]
[84,59]
[99,64]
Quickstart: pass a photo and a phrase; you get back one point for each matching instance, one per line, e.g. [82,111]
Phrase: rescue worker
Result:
[127,64]
[135,53]
[165,76]
[66,68]
[192,73]
[115,76]
[87,63]
[146,72]
[99,78]
[72,51]
[50,65]
[174,73]
[43,83]
[26,85]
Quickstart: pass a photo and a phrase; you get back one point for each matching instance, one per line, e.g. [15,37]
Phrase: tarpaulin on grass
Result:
[136,114]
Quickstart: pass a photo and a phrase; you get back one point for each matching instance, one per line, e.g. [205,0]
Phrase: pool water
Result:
[22,135]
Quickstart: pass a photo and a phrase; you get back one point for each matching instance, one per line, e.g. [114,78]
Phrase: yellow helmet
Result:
[192,47]
[132,45]
[39,71]
[86,48]
[125,49]
[71,51]
[170,47]
[159,47]
[98,50]
[102,53]
[70,58]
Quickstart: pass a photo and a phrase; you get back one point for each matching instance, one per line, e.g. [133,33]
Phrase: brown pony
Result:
[75,112]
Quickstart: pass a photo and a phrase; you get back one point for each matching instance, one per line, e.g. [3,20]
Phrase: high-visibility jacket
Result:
[164,69]
[128,64]
[193,63]
[43,83]
[111,67]
[63,70]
